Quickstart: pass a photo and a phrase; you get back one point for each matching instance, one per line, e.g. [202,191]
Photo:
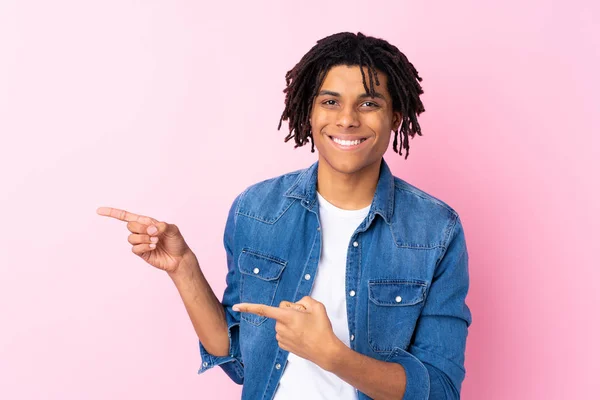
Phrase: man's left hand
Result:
[302,328]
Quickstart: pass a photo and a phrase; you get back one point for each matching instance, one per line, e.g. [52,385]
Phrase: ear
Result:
[396,120]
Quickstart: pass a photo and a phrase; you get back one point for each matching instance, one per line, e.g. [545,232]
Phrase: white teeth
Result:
[347,142]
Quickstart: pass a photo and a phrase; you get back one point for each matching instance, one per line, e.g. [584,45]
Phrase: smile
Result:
[347,144]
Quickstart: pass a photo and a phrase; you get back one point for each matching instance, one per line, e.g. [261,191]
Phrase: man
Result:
[343,281]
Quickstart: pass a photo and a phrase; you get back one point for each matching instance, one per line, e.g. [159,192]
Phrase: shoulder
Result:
[273,186]
[420,219]
[265,200]
[423,201]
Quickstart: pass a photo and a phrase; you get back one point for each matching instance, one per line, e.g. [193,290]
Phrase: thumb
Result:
[307,302]
[160,228]
[289,304]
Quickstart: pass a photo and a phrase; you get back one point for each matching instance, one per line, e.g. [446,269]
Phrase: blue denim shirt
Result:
[406,282]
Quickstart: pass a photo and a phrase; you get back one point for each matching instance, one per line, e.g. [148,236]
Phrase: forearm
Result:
[377,379]
[203,307]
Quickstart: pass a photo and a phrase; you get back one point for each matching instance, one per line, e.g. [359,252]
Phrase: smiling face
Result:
[350,129]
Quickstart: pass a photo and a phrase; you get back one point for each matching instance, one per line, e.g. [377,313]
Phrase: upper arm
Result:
[441,332]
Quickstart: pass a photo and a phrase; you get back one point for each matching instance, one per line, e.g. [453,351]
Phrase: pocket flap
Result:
[396,292]
[263,266]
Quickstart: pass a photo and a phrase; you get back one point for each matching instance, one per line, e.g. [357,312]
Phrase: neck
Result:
[348,191]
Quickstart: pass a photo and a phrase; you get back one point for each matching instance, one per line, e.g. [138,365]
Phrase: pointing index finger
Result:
[278,314]
[118,214]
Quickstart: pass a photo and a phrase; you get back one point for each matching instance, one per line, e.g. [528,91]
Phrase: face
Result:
[350,129]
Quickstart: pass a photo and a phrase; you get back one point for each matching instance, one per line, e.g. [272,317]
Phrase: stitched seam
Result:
[412,246]
[264,255]
[371,304]
[300,173]
[275,281]
[308,260]
[449,231]
[272,221]
[259,319]
[427,197]
[378,302]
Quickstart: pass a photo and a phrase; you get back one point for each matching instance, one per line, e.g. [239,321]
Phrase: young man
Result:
[343,281]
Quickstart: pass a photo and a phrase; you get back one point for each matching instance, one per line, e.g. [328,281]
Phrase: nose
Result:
[348,118]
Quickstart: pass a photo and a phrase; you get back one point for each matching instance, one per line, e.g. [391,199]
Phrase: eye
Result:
[374,105]
[327,102]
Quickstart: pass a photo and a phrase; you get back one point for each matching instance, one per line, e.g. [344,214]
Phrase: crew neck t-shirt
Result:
[302,379]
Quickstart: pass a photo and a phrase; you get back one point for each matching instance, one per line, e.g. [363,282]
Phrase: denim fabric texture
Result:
[406,282]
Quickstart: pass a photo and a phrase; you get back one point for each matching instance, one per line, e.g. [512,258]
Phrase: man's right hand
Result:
[169,246]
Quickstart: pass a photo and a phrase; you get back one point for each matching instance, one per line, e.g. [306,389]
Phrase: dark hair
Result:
[346,48]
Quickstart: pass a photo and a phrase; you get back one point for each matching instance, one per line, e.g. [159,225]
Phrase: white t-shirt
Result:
[302,379]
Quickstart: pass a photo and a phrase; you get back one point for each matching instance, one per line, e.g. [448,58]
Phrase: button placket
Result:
[352,293]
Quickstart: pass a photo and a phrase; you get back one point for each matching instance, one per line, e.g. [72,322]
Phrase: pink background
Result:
[170,108]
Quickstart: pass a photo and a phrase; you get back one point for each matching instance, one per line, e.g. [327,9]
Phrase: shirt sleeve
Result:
[232,363]
[434,362]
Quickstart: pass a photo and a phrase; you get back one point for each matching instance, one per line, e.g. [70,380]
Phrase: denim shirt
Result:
[406,282]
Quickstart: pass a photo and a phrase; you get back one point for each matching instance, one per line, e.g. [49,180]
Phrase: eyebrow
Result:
[362,96]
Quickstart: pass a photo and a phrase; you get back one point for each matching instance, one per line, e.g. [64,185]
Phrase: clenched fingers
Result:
[140,249]
[289,304]
[135,238]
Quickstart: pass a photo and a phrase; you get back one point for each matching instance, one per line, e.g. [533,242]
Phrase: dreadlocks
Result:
[346,48]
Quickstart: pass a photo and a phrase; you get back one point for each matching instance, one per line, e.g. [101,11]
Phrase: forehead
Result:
[349,80]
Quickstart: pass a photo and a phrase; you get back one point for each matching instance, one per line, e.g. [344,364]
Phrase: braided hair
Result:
[346,48]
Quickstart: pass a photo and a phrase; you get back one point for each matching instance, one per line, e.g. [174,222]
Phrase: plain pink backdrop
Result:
[170,108]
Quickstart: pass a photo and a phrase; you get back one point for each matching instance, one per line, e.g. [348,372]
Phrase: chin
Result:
[349,165]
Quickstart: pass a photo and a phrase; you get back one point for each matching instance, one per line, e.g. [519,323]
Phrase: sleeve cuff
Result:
[232,363]
[417,376]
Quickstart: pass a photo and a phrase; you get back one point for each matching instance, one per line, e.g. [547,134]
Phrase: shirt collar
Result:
[305,189]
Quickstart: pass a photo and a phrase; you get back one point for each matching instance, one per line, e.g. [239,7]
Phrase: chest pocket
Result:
[393,309]
[260,276]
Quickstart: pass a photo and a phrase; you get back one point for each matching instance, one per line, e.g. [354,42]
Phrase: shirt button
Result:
[255,270]
[307,276]
[318,228]
[205,364]
[398,299]
[351,338]
[278,366]
[352,293]
[355,244]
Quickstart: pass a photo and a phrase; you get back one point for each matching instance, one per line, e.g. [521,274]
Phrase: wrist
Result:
[334,355]
[187,266]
